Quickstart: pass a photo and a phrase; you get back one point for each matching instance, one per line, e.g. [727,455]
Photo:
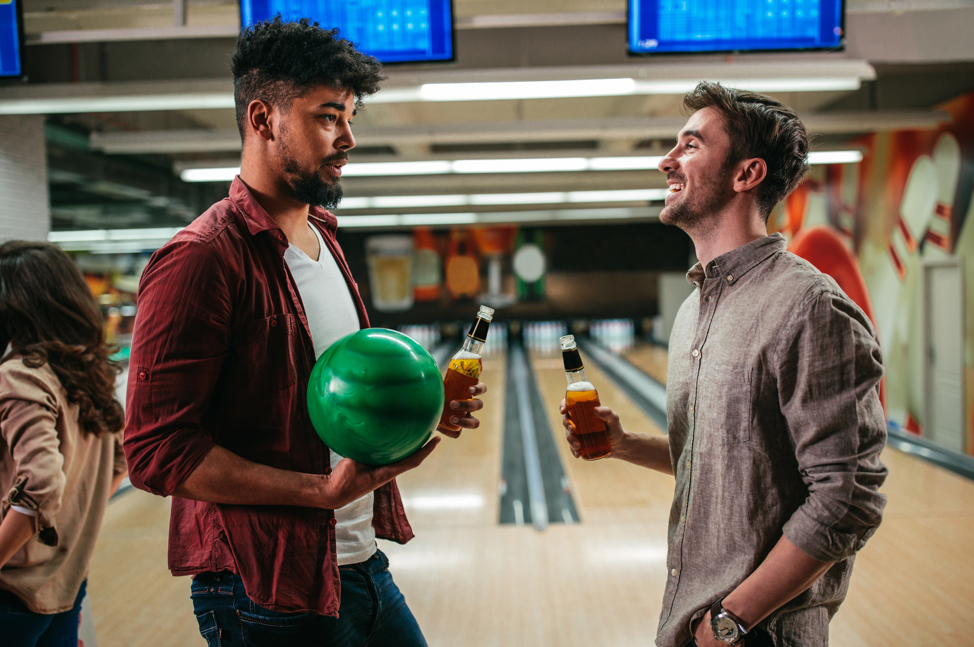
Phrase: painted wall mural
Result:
[897,233]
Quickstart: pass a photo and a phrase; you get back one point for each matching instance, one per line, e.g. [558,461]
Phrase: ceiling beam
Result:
[416,136]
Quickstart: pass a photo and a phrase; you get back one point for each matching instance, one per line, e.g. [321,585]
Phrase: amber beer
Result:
[580,401]
[464,369]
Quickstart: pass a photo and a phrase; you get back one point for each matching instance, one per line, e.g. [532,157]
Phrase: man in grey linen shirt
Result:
[775,423]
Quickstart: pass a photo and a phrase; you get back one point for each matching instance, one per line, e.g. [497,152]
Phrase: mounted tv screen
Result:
[11,40]
[687,26]
[394,31]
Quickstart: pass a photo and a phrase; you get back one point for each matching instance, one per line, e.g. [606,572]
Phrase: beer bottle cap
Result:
[487,314]
[567,342]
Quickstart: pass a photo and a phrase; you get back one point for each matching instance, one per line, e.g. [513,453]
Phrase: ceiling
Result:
[116,166]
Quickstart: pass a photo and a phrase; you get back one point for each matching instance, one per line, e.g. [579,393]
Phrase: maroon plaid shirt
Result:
[222,355]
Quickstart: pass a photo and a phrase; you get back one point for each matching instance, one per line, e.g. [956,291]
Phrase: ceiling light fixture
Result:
[488,166]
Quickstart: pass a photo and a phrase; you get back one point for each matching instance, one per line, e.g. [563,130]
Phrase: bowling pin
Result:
[890,276]
[936,237]
[947,159]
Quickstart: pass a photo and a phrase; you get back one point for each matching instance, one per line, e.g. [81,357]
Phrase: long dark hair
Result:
[48,315]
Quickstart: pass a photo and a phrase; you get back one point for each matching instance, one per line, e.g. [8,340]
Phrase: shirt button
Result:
[688,464]
[327,470]
[683,518]
[273,323]
[280,237]
[730,278]
[142,375]
[691,408]
[673,572]
[695,353]
[333,521]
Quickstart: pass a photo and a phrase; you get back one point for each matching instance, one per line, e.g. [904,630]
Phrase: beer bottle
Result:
[581,400]
[465,367]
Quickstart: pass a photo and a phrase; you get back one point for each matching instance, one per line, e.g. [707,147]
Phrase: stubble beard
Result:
[699,215]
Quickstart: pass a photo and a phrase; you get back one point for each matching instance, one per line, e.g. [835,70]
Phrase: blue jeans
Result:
[373,612]
[21,627]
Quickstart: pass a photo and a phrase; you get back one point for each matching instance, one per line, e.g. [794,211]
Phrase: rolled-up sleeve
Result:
[181,338]
[28,422]
[830,367]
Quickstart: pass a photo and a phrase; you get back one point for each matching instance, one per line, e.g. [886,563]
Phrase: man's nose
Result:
[667,164]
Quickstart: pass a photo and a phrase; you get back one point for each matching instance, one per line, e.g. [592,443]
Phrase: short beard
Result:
[309,188]
[700,216]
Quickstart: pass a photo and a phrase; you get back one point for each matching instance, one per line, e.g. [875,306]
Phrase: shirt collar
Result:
[258,220]
[738,262]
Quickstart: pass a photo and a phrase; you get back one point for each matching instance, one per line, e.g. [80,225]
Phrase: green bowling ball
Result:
[375,396]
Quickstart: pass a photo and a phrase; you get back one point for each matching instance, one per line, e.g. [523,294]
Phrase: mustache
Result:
[679,177]
[338,157]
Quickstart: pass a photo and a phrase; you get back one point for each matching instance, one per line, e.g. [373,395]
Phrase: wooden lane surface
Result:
[472,582]
[652,359]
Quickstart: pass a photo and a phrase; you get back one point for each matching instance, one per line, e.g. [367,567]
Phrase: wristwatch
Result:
[727,628]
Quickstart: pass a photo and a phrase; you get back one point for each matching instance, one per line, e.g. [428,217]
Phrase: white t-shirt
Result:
[331,315]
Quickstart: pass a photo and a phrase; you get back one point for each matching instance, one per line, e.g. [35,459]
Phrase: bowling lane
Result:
[604,489]
[471,581]
[651,358]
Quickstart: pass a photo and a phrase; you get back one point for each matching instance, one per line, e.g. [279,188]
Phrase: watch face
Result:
[725,629]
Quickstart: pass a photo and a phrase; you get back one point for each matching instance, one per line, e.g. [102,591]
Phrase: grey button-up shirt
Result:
[775,427]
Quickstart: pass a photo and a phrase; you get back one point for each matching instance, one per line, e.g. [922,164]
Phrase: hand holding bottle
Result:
[614,431]
[460,412]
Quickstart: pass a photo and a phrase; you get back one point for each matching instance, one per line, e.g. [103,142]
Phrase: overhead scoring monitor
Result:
[394,31]
[11,40]
[671,26]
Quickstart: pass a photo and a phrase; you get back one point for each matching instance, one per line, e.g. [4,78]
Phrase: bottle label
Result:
[468,367]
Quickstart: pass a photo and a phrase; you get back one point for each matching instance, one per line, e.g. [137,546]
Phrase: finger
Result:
[562,409]
[478,389]
[607,414]
[467,405]
[449,433]
[417,457]
[467,422]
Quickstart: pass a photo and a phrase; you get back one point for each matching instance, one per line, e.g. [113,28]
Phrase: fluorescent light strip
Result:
[493,199]
[835,157]
[518,165]
[441,219]
[110,235]
[526,90]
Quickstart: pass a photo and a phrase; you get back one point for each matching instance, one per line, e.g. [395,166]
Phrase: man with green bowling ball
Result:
[775,425]
[277,531]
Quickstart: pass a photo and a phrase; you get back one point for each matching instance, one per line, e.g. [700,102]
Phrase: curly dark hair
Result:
[762,127]
[48,315]
[276,61]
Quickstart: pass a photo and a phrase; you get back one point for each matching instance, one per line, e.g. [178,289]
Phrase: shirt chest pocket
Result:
[268,355]
[725,405]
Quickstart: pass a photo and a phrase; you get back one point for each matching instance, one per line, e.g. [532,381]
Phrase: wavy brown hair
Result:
[49,316]
[758,126]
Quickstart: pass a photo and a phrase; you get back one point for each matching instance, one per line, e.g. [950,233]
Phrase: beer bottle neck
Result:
[471,345]
[576,376]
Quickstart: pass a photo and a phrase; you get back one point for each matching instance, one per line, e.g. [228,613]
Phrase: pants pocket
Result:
[209,628]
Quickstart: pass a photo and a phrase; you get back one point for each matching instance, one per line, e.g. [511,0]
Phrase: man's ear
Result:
[260,118]
[750,173]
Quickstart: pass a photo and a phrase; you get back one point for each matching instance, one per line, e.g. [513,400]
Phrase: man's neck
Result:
[729,232]
[269,192]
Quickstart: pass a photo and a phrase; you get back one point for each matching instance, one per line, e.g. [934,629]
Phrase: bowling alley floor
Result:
[471,581]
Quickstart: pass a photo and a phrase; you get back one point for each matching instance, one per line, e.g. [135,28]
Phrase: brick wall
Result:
[25,211]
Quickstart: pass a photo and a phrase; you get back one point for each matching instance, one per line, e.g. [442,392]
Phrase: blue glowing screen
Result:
[733,25]
[10,45]
[394,31]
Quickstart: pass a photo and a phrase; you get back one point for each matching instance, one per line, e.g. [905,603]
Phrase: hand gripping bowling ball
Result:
[375,396]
